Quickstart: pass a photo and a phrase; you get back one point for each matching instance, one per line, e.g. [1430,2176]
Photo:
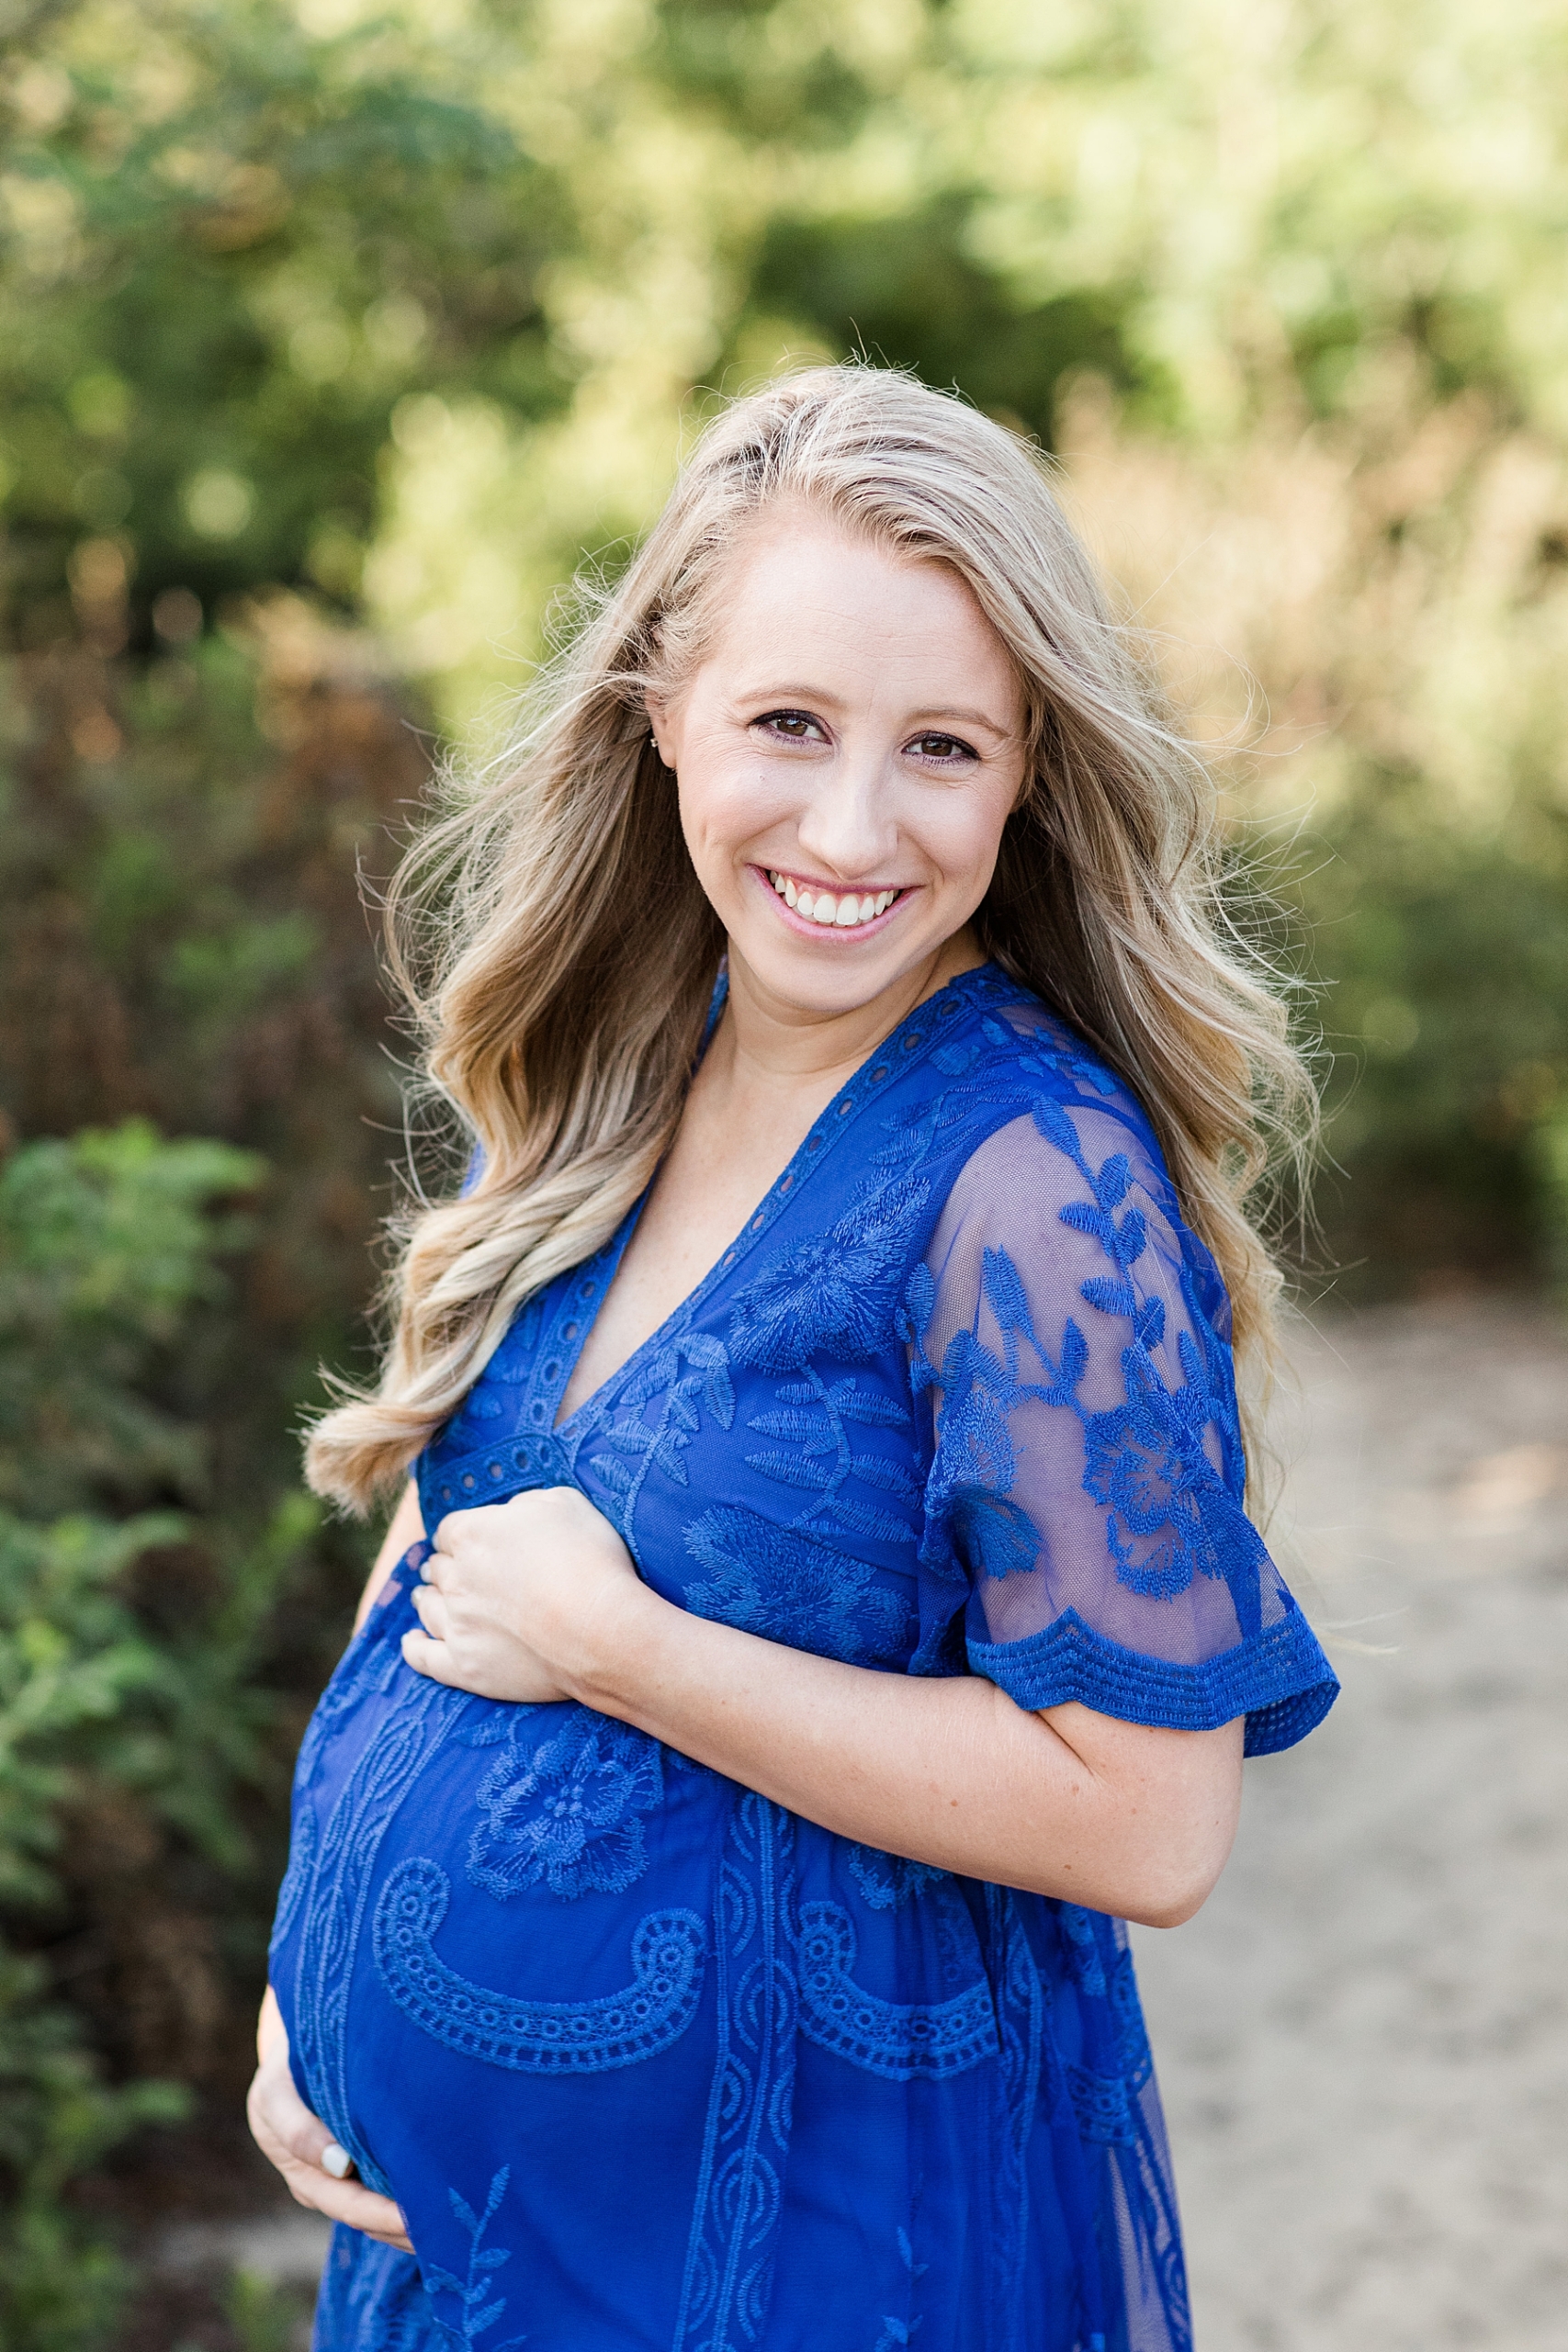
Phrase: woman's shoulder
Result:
[1061,1152]
[1012,1036]
[1045,1099]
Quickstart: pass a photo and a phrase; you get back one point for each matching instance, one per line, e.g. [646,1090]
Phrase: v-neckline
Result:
[912,1035]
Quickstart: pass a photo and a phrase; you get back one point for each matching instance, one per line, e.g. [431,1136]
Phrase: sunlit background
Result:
[332,338]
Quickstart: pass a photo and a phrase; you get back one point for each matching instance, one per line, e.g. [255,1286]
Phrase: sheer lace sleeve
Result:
[1085,1536]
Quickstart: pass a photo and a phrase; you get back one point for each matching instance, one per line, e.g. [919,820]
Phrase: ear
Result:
[658,709]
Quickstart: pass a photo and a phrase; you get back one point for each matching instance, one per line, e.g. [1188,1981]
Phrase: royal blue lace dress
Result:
[653,2065]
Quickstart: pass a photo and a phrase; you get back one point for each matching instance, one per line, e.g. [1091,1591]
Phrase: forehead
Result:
[800,582]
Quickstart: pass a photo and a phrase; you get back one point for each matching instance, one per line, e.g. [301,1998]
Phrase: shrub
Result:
[133,1734]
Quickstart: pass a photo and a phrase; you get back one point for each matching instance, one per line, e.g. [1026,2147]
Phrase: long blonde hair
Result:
[558,953]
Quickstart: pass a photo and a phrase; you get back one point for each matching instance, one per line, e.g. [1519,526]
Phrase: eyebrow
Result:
[947,714]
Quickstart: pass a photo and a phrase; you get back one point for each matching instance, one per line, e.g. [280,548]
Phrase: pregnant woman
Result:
[823,1609]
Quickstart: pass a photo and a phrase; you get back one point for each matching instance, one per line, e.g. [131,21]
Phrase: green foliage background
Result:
[332,336]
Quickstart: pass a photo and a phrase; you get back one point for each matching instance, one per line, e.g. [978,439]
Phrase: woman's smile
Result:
[823,904]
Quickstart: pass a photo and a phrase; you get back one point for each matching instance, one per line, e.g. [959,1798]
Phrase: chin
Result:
[832,978]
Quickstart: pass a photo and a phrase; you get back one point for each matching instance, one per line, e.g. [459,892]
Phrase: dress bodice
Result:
[958,1399]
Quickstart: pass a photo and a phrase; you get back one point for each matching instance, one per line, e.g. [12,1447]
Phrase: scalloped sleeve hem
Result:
[1279,1681]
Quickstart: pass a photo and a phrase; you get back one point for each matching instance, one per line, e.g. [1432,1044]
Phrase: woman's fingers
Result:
[450,1535]
[428,1657]
[275,2100]
[303,2134]
[431,1609]
[305,2152]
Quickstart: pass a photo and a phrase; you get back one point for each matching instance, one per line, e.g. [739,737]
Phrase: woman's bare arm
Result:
[537,1599]
[1117,1815]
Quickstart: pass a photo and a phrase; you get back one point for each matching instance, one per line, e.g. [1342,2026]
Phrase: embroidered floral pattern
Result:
[1051,1053]
[1103,2089]
[889,1881]
[689,1372]
[835,1294]
[897,2331]
[1170,1516]
[815,1418]
[481,2310]
[768,1580]
[564,1812]
[969,1486]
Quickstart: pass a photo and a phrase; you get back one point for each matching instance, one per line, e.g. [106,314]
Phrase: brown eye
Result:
[794,725]
[948,748]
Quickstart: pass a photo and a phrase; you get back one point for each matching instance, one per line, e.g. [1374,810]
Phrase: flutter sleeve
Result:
[1084,1533]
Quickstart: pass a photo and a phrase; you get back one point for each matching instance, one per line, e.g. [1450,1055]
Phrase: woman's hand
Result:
[303,2148]
[527,1600]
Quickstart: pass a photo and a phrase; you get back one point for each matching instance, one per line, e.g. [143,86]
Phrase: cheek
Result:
[962,836]
[724,803]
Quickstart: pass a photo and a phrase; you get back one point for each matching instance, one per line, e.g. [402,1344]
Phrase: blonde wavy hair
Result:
[558,952]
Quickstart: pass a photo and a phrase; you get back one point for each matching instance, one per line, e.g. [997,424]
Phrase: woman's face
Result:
[847,753]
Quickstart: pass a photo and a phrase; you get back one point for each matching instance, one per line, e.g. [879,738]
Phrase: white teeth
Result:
[843,913]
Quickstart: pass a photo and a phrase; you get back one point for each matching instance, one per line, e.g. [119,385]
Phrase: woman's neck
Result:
[765,1044]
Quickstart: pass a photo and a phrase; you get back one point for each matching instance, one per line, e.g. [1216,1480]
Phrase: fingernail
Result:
[336,2160]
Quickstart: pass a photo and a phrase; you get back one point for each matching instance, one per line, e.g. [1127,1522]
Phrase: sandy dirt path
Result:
[1363,2037]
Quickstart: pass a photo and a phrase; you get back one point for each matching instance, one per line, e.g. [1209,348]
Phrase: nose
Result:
[847,828]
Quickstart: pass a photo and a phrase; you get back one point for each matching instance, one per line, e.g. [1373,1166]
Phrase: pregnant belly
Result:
[559,1991]
[493,1957]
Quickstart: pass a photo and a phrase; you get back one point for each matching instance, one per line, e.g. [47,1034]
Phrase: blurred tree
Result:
[233,247]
